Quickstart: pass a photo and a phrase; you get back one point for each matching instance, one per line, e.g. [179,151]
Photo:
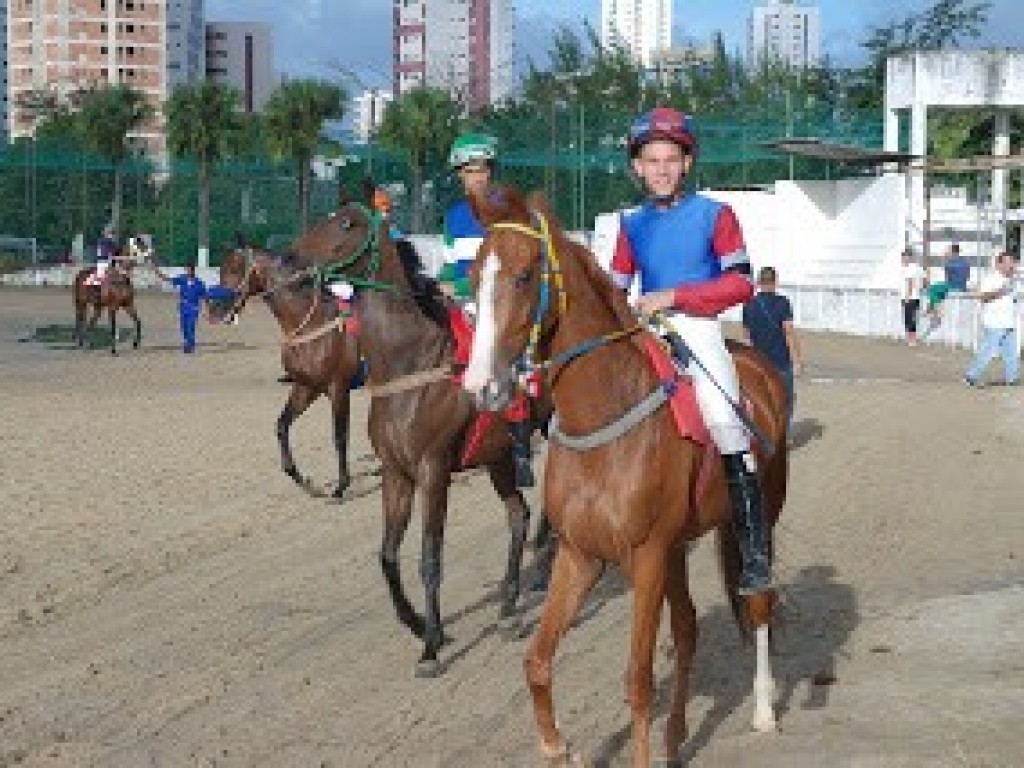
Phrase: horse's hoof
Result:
[764,722]
[427,669]
[511,627]
[113,351]
[562,756]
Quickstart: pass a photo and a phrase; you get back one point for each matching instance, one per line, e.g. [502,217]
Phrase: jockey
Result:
[689,254]
[472,157]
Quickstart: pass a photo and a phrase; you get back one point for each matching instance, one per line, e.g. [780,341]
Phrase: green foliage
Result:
[294,117]
[421,126]
[563,133]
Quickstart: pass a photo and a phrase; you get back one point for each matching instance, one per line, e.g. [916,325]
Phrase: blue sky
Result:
[309,33]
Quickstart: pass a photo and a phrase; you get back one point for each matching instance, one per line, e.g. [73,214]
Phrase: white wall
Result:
[839,233]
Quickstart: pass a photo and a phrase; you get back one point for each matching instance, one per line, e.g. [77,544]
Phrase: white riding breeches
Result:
[101,269]
[705,340]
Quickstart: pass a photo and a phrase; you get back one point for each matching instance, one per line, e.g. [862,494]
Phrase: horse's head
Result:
[244,272]
[516,279]
[348,239]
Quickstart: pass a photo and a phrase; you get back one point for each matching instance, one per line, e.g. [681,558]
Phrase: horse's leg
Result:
[340,396]
[299,399]
[503,478]
[112,312]
[434,482]
[759,610]
[397,492]
[649,577]
[683,619]
[133,313]
[545,543]
[572,577]
[80,310]
[93,319]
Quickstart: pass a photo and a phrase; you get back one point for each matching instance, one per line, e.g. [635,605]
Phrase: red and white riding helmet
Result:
[662,123]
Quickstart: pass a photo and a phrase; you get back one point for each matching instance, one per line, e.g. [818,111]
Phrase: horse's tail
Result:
[730,565]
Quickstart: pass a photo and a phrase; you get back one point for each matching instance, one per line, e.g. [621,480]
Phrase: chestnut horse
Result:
[318,354]
[118,293]
[419,415]
[635,499]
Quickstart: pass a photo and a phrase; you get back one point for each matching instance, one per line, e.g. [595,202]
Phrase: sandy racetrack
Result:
[169,598]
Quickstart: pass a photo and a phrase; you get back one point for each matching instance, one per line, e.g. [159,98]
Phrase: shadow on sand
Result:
[817,617]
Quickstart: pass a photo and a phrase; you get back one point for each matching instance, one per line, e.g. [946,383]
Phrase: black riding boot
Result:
[748,520]
[520,431]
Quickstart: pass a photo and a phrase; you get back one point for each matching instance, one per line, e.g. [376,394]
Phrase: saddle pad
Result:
[462,333]
[516,411]
[683,403]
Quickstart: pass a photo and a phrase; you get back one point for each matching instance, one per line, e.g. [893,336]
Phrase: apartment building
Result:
[59,47]
[464,46]
[241,54]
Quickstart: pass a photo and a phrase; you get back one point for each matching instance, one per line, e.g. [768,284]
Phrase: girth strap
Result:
[631,418]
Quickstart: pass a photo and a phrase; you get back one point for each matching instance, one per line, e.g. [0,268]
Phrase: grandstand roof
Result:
[838,153]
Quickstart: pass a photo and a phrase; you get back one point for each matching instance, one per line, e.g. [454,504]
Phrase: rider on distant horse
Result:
[472,157]
[106,253]
[689,253]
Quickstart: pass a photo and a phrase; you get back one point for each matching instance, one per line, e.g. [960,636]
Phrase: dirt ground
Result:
[169,598]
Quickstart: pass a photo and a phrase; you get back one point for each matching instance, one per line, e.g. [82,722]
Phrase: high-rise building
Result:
[671,65]
[186,42]
[241,54]
[641,27]
[465,46]
[785,31]
[370,107]
[3,70]
[58,47]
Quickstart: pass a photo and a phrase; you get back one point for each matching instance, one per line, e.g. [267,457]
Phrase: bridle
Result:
[552,280]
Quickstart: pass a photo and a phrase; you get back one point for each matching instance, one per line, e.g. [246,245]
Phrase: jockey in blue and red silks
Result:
[689,254]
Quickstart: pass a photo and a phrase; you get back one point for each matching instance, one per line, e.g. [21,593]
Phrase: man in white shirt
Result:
[999,292]
[911,285]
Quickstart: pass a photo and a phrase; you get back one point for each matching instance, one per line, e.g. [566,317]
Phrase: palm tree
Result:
[203,122]
[294,116]
[422,125]
[107,114]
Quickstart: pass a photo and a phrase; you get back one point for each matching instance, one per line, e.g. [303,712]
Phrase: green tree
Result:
[946,24]
[294,117]
[203,123]
[107,114]
[421,126]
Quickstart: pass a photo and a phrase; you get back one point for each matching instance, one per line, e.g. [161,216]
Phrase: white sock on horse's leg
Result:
[764,685]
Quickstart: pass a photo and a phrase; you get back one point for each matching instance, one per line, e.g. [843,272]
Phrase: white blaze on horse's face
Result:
[481,360]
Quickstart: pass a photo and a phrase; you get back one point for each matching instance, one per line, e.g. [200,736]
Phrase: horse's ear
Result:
[503,203]
[343,196]
[538,201]
[369,187]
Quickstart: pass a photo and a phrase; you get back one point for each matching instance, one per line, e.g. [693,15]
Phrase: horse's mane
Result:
[426,291]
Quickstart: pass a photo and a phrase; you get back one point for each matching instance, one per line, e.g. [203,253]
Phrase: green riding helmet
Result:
[472,148]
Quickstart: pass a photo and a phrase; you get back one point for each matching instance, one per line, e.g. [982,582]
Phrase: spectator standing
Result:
[768,323]
[1000,295]
[911,286]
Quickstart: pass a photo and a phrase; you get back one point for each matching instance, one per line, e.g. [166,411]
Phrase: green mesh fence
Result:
[52,193]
